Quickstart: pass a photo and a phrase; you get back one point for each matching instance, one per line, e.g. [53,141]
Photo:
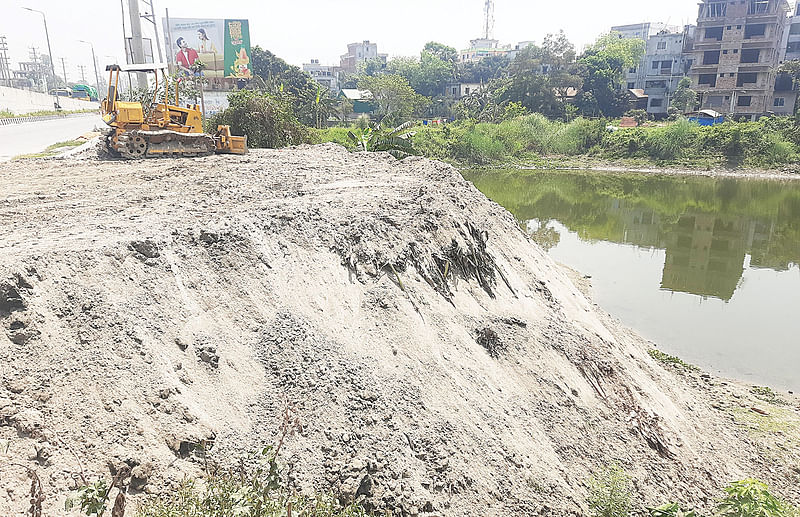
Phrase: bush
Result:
[670,142]
[624,143]
[337,135]
[579,136]
[266,119]
[610,493]
[751,498]
[639,115]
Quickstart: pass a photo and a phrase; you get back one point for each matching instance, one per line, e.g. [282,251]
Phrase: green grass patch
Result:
[52,150]
[768,395]
[779,420]
[44,113]
[671,360]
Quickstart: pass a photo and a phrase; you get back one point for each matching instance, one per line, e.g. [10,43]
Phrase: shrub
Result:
[624,142]
[247,492]
[580,135]
[671,141]
[639,115]
[751,498]
[337,135]
[476,147]
[671,510]
[610,493]
[266,119]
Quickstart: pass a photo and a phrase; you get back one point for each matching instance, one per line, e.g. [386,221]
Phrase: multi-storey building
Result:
[644,30]
[664,63]
[737,51]
[358,53]
[792,36]
[326,75]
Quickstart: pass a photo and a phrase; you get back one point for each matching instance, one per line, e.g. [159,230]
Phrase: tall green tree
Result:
[396,101]
[443,52]
[602,68]
[684,99]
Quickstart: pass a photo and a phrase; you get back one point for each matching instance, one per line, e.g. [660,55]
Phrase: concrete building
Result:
[737,51]
[792,37]
[326,75]
[358,53]
[460,90]
[482,48]
[644,30]
[666,61]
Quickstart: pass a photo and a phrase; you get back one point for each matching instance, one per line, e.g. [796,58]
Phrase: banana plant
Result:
[375,138]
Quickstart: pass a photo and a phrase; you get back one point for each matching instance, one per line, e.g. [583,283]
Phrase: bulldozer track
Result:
[139,144]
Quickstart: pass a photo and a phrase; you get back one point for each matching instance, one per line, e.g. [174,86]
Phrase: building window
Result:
[795,28]
[746,78]
[717,9]
[632,70]
[656,103]
[736,51]
[755,30]
[779,102]
[711,57]
[655,84]
[750,55]
[631,86]
[744,100]
[714,101]
[707,79]
[714,33]
[725,52]
[758,7]
[656,65]
[662,45]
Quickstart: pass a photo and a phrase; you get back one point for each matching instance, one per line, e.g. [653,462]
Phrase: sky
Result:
[301,30]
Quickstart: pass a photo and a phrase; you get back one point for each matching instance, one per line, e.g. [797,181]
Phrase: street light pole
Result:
[47,35]
[94,62]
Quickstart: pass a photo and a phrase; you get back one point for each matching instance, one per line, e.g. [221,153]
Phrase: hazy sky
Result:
[299,30]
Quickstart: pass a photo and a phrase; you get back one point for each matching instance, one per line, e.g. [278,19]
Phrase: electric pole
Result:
[5,66]
[83,73]
[137,44]
[64,69]
[151,17]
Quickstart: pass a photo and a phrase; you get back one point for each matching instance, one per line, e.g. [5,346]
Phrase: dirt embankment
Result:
[439,362]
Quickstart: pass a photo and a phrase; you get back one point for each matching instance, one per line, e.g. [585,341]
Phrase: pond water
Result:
[705,268]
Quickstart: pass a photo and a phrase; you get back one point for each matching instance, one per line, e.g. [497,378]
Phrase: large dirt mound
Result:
[438,361]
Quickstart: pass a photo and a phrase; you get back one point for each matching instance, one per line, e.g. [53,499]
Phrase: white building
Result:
[665,62]
[326,75]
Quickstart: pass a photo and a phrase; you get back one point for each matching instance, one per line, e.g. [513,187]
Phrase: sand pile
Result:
[437,361]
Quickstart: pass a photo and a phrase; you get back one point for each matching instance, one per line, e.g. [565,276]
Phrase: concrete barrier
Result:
[23,120]
[23,101]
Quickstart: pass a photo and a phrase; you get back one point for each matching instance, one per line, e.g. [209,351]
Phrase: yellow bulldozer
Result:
[162,130]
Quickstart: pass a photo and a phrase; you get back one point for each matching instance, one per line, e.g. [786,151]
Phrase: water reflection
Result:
[706,226]
[706,268]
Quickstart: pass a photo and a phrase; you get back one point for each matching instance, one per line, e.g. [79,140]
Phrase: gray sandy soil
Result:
[439,361]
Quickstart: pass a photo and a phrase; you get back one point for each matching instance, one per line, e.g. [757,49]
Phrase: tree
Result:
[396,100]
[602,67]
[318,105]
[443,52]
[684,99]
[267,120]
[483,71]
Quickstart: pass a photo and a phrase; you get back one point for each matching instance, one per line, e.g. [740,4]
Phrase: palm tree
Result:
[319,105]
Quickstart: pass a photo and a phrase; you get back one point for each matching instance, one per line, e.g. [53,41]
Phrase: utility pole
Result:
[151,17]
[83,73]
[5,67]
[37,70]
[94,61]
[47,35]
[136,41]
[64,69]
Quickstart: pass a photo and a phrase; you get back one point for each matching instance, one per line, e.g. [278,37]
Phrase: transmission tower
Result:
[5,66]
[488,21]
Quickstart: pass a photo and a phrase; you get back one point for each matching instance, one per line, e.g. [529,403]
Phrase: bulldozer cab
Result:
[159,114]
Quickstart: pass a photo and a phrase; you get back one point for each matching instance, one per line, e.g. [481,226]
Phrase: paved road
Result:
[33,137]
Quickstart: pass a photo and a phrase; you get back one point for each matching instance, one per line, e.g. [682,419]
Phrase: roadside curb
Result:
[23,120]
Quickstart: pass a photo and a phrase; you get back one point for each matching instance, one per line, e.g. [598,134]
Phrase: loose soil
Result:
[166,313]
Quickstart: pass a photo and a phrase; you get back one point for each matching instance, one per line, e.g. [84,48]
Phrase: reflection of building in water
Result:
[640,226]
[705,255]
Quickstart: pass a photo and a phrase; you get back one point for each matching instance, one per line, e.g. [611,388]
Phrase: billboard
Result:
[223,46]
